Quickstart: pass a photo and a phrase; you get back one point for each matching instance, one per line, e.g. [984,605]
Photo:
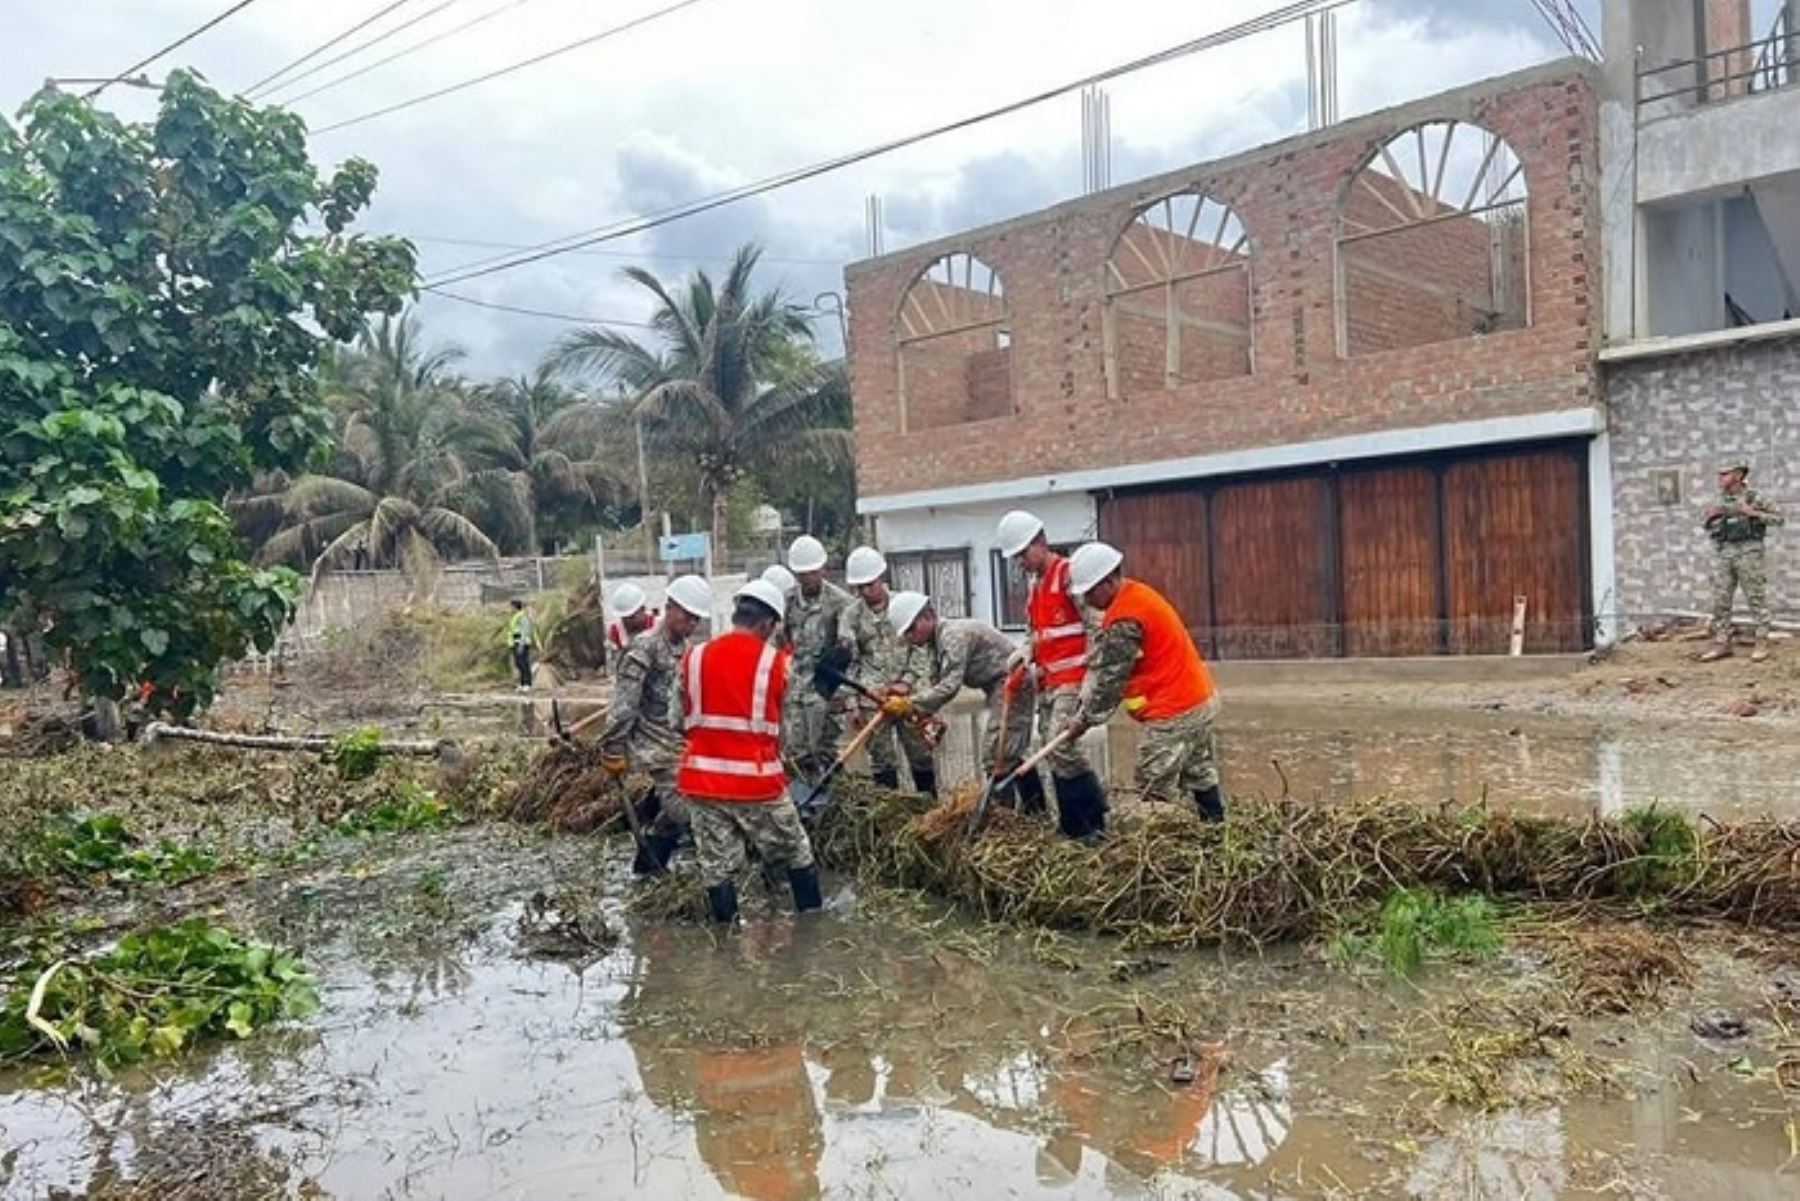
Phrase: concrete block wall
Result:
[1680,417]
[1301,389]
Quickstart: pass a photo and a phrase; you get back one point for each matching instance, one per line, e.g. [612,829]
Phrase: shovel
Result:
[828,677]
[1007,692]
[856,744]
[636,823]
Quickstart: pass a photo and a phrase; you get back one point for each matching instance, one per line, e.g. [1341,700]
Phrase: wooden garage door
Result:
[1390,544]
[1272,547]
[1163,536]
[1514,526]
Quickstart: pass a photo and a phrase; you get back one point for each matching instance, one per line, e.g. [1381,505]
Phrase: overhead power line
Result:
[638,224]
[379,63]
[179,42]
[544,313]
[666,10]
[483,244]
[322,47]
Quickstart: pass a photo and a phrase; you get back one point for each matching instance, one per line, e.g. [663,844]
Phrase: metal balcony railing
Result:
[1764,65]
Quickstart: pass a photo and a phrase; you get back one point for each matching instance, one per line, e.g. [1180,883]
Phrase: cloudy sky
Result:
[724,92]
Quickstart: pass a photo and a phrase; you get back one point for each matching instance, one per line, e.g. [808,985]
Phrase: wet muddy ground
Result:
[884,1049]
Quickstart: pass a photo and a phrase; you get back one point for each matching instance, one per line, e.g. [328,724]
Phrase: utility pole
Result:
[644,498]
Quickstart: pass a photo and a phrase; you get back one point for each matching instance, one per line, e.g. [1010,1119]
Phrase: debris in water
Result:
[568,925]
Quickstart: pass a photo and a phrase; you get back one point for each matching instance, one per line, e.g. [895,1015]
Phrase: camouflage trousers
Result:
[810,727]
[1018,725]
[1740,565]
[1054,710]
[1178,755]
[725,830]
[892,743]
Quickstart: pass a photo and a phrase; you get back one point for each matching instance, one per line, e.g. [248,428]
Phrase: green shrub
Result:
[1414,925]
[355,754]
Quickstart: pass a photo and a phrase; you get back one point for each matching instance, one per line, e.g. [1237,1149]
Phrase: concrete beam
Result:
[1718,147]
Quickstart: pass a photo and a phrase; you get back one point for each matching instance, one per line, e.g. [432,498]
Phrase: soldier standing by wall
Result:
[1738,524]
[641,725]
[809,724]
[1057,650]
[880,661]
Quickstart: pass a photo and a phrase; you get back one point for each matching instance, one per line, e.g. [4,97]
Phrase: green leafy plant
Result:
[153,995]
[356,754]
[165,292]
[413,807]
[1668,856]
[1414,925]
[82,846]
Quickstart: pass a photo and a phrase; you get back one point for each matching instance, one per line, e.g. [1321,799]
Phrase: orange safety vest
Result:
[1170,678]
[731,706]
[1058,637]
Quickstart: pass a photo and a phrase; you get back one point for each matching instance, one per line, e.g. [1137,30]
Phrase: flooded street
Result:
[881,1050]
[1562,765]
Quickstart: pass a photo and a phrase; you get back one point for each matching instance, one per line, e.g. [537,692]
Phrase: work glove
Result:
[614,765]
[898,706]
[1076,728]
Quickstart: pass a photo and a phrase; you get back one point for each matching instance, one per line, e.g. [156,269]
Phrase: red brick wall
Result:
[1052,266]
[1728,27]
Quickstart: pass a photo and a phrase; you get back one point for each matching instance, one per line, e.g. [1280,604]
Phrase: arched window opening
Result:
[955,346]
[1178,297]
[1433,241]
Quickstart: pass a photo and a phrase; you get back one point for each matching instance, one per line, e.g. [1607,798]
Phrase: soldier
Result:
[632,617]
[1145,659]
[880,661]
[1057,650]
[641,725]
[965,652]
[731,776]
[1737,525]
[809,724]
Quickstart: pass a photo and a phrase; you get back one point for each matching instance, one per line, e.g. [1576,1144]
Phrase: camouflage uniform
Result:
[644,723]
[882,658]
[1177,755]
[963,653]
[722,829]
[1056,707]
[1738,562]
[809,724]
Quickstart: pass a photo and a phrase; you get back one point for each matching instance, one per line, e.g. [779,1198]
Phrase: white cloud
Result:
[730,91]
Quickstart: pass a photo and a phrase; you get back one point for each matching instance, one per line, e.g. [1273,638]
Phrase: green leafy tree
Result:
[729,383]
[165,291]
[394,491]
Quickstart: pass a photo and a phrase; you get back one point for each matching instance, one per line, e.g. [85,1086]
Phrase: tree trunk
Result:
[721,522]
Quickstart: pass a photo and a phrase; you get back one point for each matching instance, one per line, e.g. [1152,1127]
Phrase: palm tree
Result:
[539,445]
[729,382]
[388,496]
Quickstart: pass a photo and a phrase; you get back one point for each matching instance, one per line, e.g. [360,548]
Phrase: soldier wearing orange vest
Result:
[1146,661]
[731,778]
[1057,650]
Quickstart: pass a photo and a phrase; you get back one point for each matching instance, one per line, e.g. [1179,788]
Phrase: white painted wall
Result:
[1067,517]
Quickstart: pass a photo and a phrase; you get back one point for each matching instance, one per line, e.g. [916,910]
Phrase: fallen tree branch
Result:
[156,731]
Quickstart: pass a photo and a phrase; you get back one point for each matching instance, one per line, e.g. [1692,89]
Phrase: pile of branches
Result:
[568,790]
[1279,870]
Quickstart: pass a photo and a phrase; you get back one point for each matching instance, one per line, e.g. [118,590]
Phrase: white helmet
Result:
[864,566]
[627,599]
[782,578]
[763,593]
[806,554]
[1090,564]
[904,609]
[1017,529]
[693,594]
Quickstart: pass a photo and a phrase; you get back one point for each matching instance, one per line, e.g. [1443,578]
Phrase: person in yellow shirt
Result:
[522,638]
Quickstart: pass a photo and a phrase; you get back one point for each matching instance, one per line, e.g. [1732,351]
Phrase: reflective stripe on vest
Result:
[731,698]
[1169,678]
[1058,635]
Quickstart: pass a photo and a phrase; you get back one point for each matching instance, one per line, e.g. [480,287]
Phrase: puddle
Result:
[849,1056]
[1548,765]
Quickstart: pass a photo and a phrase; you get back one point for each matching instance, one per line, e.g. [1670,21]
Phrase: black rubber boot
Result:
[1071,807]
[1097,805]
[925,782]
[805,883]
[722,900]
[1030,793]
[888,778]
[1211,804]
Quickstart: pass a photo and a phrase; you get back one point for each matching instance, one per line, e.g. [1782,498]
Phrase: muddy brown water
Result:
[881,1050]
